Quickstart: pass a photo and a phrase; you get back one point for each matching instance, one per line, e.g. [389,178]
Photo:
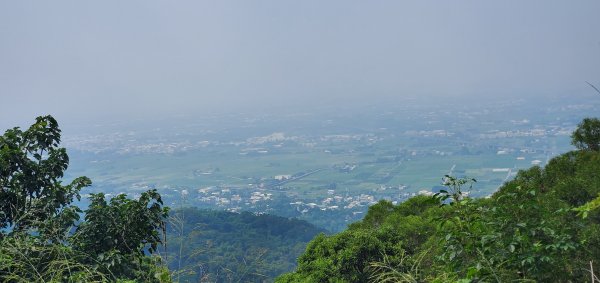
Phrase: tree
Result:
[40,240]
[31,165]
[117,234]
[587,135]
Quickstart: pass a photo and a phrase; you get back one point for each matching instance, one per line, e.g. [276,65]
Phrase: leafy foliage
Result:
[125,225]
[120,232]
[31,164]
[585,209]
[40,240]
[388,234]
[587,135]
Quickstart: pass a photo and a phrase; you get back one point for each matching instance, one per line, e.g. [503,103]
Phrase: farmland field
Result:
[318,166]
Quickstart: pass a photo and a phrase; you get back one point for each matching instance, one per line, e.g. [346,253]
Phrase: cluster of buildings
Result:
[235,199]
[535,132]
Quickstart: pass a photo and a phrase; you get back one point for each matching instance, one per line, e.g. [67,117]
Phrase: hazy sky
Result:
[113,59]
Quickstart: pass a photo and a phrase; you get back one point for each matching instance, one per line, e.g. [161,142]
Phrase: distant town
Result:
[324,167]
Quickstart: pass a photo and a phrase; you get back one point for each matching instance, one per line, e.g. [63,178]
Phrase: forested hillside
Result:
[220,246]
[543,226]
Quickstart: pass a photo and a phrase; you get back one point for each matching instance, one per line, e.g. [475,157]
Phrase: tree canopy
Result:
[41,236]
[31,192]
[587,135]
[222,246]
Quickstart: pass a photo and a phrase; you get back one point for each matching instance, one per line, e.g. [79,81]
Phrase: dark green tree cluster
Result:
[587,135]
[41,236]
[221,246]
[543,226]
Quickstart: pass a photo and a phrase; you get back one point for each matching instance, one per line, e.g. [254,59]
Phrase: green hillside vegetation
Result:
[43,239]
[543,226]
[220,246]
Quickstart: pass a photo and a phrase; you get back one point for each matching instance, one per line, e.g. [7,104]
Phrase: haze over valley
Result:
[329,164]
[299,141]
